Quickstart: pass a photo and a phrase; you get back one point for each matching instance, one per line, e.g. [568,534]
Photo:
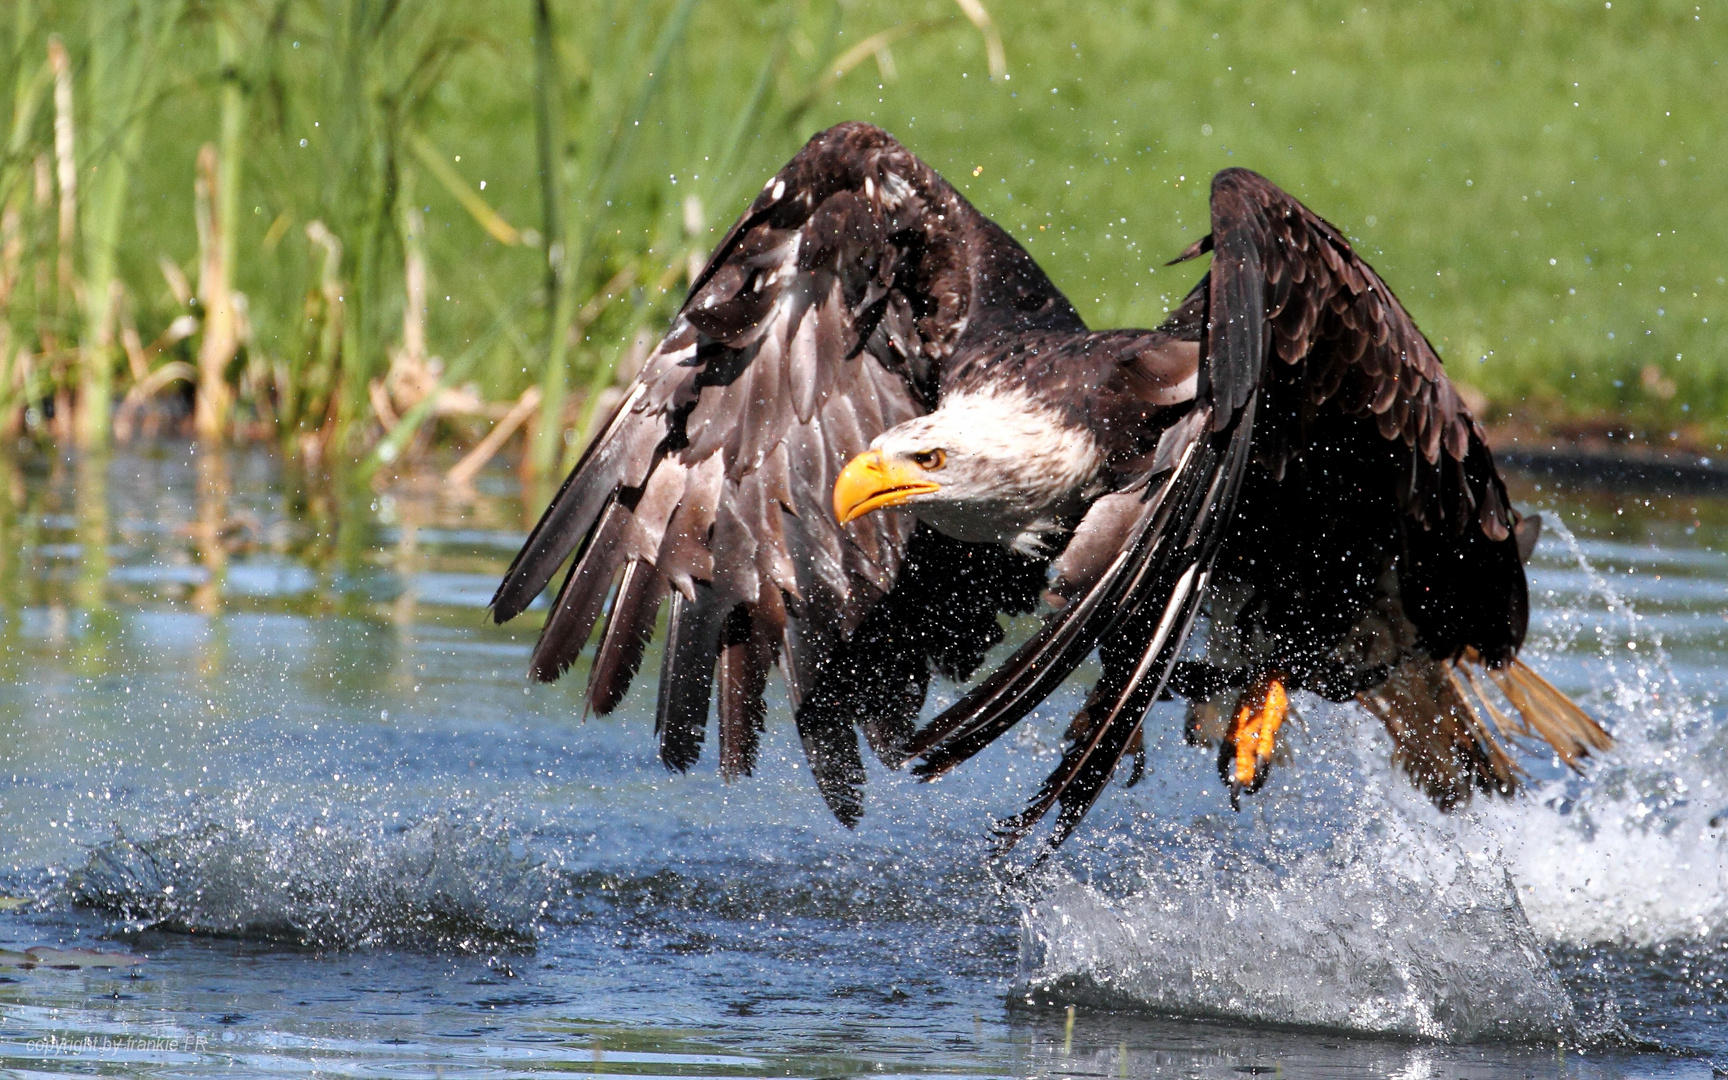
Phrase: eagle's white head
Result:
[986,467]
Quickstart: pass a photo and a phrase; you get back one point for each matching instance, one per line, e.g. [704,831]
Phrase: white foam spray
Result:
[1394,930]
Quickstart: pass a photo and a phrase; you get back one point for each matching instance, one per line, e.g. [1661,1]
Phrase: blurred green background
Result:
[366,229]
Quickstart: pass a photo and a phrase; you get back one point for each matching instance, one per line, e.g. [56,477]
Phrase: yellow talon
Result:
[1248,748]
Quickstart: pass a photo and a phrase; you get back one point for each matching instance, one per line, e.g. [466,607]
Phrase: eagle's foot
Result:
[1245,756]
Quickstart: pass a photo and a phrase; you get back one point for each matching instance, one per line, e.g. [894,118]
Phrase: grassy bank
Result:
[356,228]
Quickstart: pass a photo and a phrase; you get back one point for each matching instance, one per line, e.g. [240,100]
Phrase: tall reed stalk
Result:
[219,167]
[129,42]
[30,77]
[622,86]
[550,145]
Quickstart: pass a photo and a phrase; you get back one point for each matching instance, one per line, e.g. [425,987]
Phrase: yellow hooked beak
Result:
[870,482]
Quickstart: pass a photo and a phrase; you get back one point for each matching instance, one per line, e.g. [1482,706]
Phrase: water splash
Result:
[1636,853]
[1404,921]
[1394,930]
[440,883]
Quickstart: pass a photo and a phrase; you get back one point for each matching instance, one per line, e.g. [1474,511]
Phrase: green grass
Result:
[1444,139]
[1541,182]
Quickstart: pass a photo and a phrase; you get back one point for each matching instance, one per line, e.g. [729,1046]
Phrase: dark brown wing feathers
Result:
[1349,347]
[628,631]
[823,318]
[1362,351]
[579,601]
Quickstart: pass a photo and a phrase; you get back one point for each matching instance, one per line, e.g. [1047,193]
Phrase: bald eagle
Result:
[875,427]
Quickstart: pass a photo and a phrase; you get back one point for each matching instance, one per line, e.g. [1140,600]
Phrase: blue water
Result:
[258,734]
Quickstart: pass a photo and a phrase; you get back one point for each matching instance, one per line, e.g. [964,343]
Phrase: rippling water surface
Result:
[259,735]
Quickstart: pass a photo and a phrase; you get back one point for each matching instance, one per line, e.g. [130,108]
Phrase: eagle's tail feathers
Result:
[1552,716]
[1438,738]
[1480,695]
[1450,734]
[1503,771]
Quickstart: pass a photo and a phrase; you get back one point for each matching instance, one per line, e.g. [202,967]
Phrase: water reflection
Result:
[211,531]
[219,532]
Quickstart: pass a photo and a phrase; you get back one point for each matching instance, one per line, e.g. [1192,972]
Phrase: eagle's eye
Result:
[930,459]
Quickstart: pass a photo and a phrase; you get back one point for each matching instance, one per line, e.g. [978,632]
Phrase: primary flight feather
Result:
[876,426]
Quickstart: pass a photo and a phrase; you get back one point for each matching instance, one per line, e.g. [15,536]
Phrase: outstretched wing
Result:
[1348,348]
[1283,285]
[823,318]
